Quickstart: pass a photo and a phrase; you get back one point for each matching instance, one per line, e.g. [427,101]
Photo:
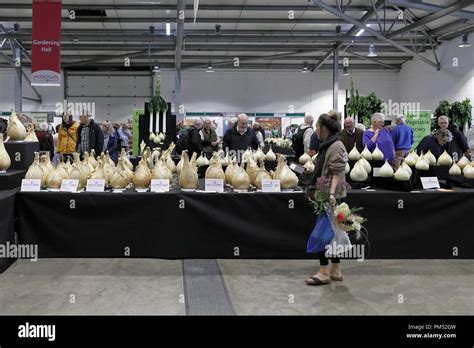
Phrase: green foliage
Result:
[458,112]
[442,109]
[363,107]
[157,103]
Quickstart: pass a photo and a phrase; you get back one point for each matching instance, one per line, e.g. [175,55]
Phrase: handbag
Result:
[321,235]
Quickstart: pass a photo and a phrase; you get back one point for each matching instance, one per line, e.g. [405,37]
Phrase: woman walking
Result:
[331,162]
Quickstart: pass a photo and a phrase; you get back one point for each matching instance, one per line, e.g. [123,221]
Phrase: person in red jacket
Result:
[45,138]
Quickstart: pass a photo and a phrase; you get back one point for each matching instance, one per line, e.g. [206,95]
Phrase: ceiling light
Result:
[209,67]
[372,52]
[360,32]
[168,29]
[156,68]
[305,68]
[345,70]
[465,41]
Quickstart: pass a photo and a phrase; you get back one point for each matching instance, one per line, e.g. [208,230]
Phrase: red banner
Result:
[46,43]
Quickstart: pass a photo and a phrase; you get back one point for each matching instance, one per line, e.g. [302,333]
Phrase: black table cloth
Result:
[178,225]
[7,231]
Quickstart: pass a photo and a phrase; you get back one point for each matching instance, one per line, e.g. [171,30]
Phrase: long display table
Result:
[428,225]
[7,231]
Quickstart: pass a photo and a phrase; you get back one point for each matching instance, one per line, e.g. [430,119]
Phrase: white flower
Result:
[342,208]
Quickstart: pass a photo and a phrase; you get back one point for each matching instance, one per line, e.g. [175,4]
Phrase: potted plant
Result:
[362,108]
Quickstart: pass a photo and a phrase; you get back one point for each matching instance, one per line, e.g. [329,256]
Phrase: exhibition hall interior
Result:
[236,158]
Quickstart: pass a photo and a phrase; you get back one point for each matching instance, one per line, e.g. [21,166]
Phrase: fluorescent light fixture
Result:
[305,68]
[372,52]
[465,41]
[3,43]
[360,32]
[209,67]
[168,29]
[156,68]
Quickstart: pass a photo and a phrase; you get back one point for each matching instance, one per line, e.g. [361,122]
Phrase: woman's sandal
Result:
[336,278]
[316,281]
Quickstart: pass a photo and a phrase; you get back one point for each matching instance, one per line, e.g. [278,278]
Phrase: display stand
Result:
[7,225]
[11,179]
[22,153]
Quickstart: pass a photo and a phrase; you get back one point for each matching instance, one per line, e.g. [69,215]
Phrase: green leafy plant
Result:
[442,109]
[157,103]
[361,107]
[460,113]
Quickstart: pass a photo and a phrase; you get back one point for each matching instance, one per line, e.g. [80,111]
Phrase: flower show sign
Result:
[46,43]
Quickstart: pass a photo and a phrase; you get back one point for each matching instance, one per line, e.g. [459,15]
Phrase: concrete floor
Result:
[252,287]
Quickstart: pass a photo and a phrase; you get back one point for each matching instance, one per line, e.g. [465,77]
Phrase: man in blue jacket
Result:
[402,136]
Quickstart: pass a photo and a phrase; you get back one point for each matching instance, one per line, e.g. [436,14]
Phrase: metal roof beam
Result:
[432,17]
[189,20]
[375,33]
[422,6]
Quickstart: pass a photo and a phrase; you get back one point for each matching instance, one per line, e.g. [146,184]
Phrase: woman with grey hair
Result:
[110,140]
[379,135]
[435,142]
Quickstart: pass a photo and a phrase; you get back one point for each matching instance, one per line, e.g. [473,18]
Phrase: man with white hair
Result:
[351,135]
[240,137]
[45,139]
[302,138]
[458,145]
[402,136]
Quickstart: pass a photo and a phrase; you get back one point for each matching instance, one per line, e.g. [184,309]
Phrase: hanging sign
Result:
[46,43]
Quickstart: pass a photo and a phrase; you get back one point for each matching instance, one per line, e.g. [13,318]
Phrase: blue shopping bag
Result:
[321,235]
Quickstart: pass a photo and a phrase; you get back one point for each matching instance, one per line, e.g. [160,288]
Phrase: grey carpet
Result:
[205,290]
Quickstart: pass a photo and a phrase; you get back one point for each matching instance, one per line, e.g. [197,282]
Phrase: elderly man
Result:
[89,136]
[379,136]
[434,143]
[302,138]
[240,137]
[125,136]
[402,136]
[208,138]
[351,135]
[458,146]
[194,143]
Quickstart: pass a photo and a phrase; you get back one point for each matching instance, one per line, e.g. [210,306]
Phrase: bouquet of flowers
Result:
[333,222]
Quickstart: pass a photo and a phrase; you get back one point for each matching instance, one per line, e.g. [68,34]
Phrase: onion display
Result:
[422,163]
[188,178]
[262,174]
[152,136]
[386,171]
[354,154]
[54,179]
[252,170]
[15,129]
[215,170]
[5,161]
[401,174]
[304,158]
[201,161]
[270,156]
[455,170]
[377,155]
[366,165]
[358,173]
[240,179]
[309,166]
[468,171]
[35,170]
[366,153]
[463,162]
[430,158]
[142,175]
[99,171]
[445,159]
[407,168]
[229,172]
[31,135]
[288,179]
[348,168]
[410,159]
[161,171]
[259,155]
